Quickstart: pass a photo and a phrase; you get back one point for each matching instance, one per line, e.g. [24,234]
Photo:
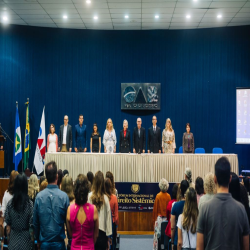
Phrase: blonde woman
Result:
[67,187]
[168,138]
[109,138]
[125,138]
[33,187]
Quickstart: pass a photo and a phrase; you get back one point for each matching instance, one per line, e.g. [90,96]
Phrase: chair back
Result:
[199,151]
[217,151]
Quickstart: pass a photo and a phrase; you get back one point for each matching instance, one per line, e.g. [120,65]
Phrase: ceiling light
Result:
[95,17]
[5,18]
[195,0]
[156,16]
[126,16]
[219,16]
[88,1]
[188,16]
[65,17]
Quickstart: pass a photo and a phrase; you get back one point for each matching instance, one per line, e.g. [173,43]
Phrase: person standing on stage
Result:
[65,136]
[52,140]
[80,136]
[125,138]
[109,138]
[95,140]
[168,138]
[188,141]
[154,137]
[139,138]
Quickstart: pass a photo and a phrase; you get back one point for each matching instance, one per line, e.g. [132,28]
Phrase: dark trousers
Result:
[102,241]
[114,236]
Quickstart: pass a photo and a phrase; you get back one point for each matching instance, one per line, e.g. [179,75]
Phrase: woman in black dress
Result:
[125,138]
[95,140]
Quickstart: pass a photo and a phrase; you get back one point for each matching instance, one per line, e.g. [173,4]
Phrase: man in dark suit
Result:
[154,137]
[139,138]
[65,136]
[80,136]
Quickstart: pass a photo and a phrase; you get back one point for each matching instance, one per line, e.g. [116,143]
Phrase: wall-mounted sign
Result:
[145,96]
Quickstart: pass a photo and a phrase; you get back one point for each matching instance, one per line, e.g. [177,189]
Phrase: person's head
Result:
[81,119]
[222,172]
[43,185]
[95,129]
[13,176]
[109,125]
[174,191]
[246,183]
[42,178]
[67,187]
[98,190]
[90,177]
[154,120]
[20,192]
[66,120]
[139,122]
[188,175]
[190,211]
[60,176]
[234,187]
[125,124]
[163,185]
[33,186]
[184,187]
[81,189]
[65,172]
[52,128]
[111,177]
[51,172]
[188,127]
[209,185]
[108,187]
[199,185]
[168,125]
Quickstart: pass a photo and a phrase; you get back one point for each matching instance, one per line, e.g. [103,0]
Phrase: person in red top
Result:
[114,210]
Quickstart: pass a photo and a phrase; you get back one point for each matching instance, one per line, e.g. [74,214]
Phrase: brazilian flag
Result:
[27,139]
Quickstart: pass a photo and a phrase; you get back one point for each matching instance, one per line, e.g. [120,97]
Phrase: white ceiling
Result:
[172,13]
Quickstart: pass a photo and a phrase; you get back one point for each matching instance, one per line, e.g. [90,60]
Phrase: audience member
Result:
[222,222]
[199,188]
[90,177]
[101,201]
[60,176]
[187,222]
[111,177]
[245,200]
[247,186]
[67,187]
[209,187]
[33,188]
[177,209]
[42,178]
[18,215]
[82,217]
[179,196]
[43,185]
[188,177]
[65,172]
[49,213]
[234,187]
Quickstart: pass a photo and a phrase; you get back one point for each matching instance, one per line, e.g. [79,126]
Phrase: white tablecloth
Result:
[140,168]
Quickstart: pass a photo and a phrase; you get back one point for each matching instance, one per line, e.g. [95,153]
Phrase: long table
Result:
[140,167]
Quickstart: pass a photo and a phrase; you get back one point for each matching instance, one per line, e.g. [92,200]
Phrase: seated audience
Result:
[114,210]
[33,188]
[49,214]
[18,216]
[177,209]
[67,187]
[60,176]
[187,222]
[111,177]
[82,217]
[188,177]
[43,185]
[222,222]
[42,178]
[210,189]
[98,198]
[199,188]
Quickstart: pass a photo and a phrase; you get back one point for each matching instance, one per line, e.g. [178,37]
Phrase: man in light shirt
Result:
[65,136]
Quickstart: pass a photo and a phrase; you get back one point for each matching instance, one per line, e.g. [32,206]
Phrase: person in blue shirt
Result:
[177,209]
[80,136]
[49,213]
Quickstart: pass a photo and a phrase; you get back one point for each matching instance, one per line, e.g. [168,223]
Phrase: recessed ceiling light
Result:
[195,0]
[126,16]
[156,16]
[188,16]
[219,16]
[95,17]
[65,17]
[5,18]
[88,1]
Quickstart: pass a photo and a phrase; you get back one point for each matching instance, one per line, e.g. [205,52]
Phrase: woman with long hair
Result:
[59,179]
[111,177]
[95,140]
[109,138]
[33,187]
[168,138]
[187,222]
[188,141]
[52,140]
[67,187]
[199,188]
[18,215]
[114,210]
[99,198]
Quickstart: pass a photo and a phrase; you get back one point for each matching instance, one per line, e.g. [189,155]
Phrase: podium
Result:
[2,139]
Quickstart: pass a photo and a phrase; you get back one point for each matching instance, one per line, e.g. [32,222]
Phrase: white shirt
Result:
[6,198]
[105,222]
[65,134]
[192,237]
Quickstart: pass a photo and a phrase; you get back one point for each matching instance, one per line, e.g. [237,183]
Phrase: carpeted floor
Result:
[136,242]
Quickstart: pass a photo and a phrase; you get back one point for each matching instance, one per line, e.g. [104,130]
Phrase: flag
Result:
[17,153]
[40,147]
[27,139]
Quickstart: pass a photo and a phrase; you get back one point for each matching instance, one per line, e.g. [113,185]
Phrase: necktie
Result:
[139,132]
